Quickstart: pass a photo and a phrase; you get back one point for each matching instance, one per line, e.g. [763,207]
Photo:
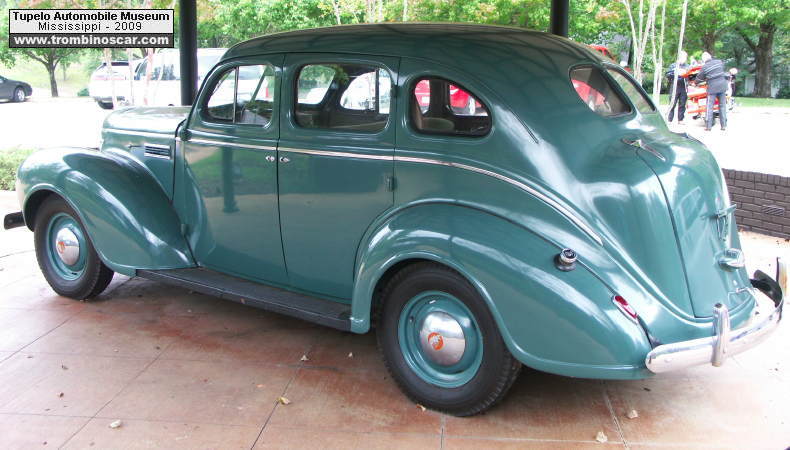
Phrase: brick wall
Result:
[763,202]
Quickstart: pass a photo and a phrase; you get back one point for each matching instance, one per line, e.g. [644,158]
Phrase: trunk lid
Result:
[702,217]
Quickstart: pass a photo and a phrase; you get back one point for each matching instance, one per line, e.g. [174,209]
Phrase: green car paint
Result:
[348,209]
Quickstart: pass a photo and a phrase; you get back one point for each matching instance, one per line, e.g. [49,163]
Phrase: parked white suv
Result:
[100,86]
[164,86]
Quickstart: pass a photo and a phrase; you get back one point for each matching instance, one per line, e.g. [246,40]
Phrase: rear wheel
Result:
[65,253]
[440,342]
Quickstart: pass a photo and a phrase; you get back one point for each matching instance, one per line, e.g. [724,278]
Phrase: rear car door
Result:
[337,140]
[230,173]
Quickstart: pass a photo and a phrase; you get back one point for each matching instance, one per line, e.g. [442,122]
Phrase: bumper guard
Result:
[725,342]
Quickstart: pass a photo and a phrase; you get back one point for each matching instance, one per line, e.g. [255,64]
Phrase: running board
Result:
[312,309]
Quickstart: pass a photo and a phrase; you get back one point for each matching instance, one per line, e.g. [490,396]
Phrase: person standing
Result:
[679,94]
[713,73]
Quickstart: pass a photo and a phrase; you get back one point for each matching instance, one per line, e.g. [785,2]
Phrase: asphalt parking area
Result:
[183,370]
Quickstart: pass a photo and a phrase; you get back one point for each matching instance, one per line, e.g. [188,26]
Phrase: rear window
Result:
[440,106]
[597,92]
[634,92]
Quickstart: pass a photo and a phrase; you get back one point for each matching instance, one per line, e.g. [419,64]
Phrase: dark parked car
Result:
[16,91]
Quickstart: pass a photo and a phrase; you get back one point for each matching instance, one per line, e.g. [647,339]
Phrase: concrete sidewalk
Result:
[183,370]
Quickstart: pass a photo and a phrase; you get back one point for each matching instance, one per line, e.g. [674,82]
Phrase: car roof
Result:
[438,41]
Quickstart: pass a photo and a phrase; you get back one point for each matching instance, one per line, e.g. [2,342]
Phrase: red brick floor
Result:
[183,370]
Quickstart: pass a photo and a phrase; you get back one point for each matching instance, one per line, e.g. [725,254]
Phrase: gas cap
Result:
[566,260]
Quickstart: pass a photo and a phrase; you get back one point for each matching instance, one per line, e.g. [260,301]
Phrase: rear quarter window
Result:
[597,92]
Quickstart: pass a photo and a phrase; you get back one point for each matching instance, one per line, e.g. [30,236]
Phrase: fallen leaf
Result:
[116,424]
[283,401]
[601,437]
[259,386]
[350,354]
[304,358]
[60,395]
[421,407]
[63,366]
[632,414]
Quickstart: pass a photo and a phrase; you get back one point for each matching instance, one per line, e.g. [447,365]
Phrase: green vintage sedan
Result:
[549,219]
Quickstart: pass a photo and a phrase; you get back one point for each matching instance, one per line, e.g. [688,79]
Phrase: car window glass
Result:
[220,104]
[354,97]
[439,106]
[140,75]
[255,95]
[597,93]
[244,95]
[634,92]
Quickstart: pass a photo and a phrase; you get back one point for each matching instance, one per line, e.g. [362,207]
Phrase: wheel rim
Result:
[20,95]
[66,246]
[440,339]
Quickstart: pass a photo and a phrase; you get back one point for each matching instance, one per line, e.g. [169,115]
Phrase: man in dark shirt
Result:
[713,73]
[680,94]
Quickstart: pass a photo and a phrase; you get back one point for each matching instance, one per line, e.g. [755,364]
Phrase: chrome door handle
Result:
[270,158]
[284,159]
[641,145]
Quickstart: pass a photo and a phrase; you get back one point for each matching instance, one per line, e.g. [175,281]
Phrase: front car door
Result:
[5,89]
[336,163]
[230,203]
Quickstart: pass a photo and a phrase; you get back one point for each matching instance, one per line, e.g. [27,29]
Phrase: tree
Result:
[50,58]
[640,31]
[757,22]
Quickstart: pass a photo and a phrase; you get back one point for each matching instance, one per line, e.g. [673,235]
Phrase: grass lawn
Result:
[33,72]
[10,159]
[748,102]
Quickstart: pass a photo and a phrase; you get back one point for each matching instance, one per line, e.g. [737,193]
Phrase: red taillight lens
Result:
[627,309]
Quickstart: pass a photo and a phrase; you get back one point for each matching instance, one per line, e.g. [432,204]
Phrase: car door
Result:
[230,171]
[335,163]
[5,88]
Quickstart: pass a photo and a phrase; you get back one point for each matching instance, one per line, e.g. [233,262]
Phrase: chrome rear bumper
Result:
[725,342]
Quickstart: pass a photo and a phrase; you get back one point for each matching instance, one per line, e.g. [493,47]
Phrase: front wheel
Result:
[441,343]
[65,253]
[19,95]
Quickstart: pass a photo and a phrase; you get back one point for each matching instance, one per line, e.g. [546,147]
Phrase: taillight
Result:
[628,310]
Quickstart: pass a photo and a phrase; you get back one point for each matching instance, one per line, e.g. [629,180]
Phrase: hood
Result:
[152,119]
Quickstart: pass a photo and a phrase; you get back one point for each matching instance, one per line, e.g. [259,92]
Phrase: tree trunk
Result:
[763,58]
[709,42]
[53,83]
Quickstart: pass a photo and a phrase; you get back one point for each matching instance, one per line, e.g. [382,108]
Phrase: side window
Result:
[353,97]
[634,92]
[597,93]
[439,106]
[244,95]
[140,75]
[220,104]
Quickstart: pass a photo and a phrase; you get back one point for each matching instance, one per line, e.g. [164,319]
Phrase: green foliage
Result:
[784,93]
[10,159]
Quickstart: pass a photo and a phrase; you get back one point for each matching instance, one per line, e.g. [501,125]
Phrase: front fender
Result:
[559,322]
[126,213]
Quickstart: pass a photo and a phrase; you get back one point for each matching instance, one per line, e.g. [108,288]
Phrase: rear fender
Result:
[126,213]
[555,321]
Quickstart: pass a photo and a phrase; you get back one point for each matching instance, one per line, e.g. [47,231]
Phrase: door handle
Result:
[270,158]
[284,159]
[641,145]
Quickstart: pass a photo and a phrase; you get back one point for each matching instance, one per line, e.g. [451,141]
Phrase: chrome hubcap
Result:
[442,338]
[20,95]
[67,246]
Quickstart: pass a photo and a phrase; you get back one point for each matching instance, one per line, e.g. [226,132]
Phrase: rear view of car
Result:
[102,81]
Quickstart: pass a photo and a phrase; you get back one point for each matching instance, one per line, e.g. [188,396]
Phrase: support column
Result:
[187,37]
[559,17]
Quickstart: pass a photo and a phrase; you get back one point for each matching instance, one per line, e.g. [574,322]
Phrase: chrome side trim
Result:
[336,154]
[231,144]
[141,133]
[535,193]
[721,326]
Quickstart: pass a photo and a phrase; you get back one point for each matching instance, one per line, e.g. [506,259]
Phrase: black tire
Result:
[104,105]
[498,369]
[19,95]
[94,278]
